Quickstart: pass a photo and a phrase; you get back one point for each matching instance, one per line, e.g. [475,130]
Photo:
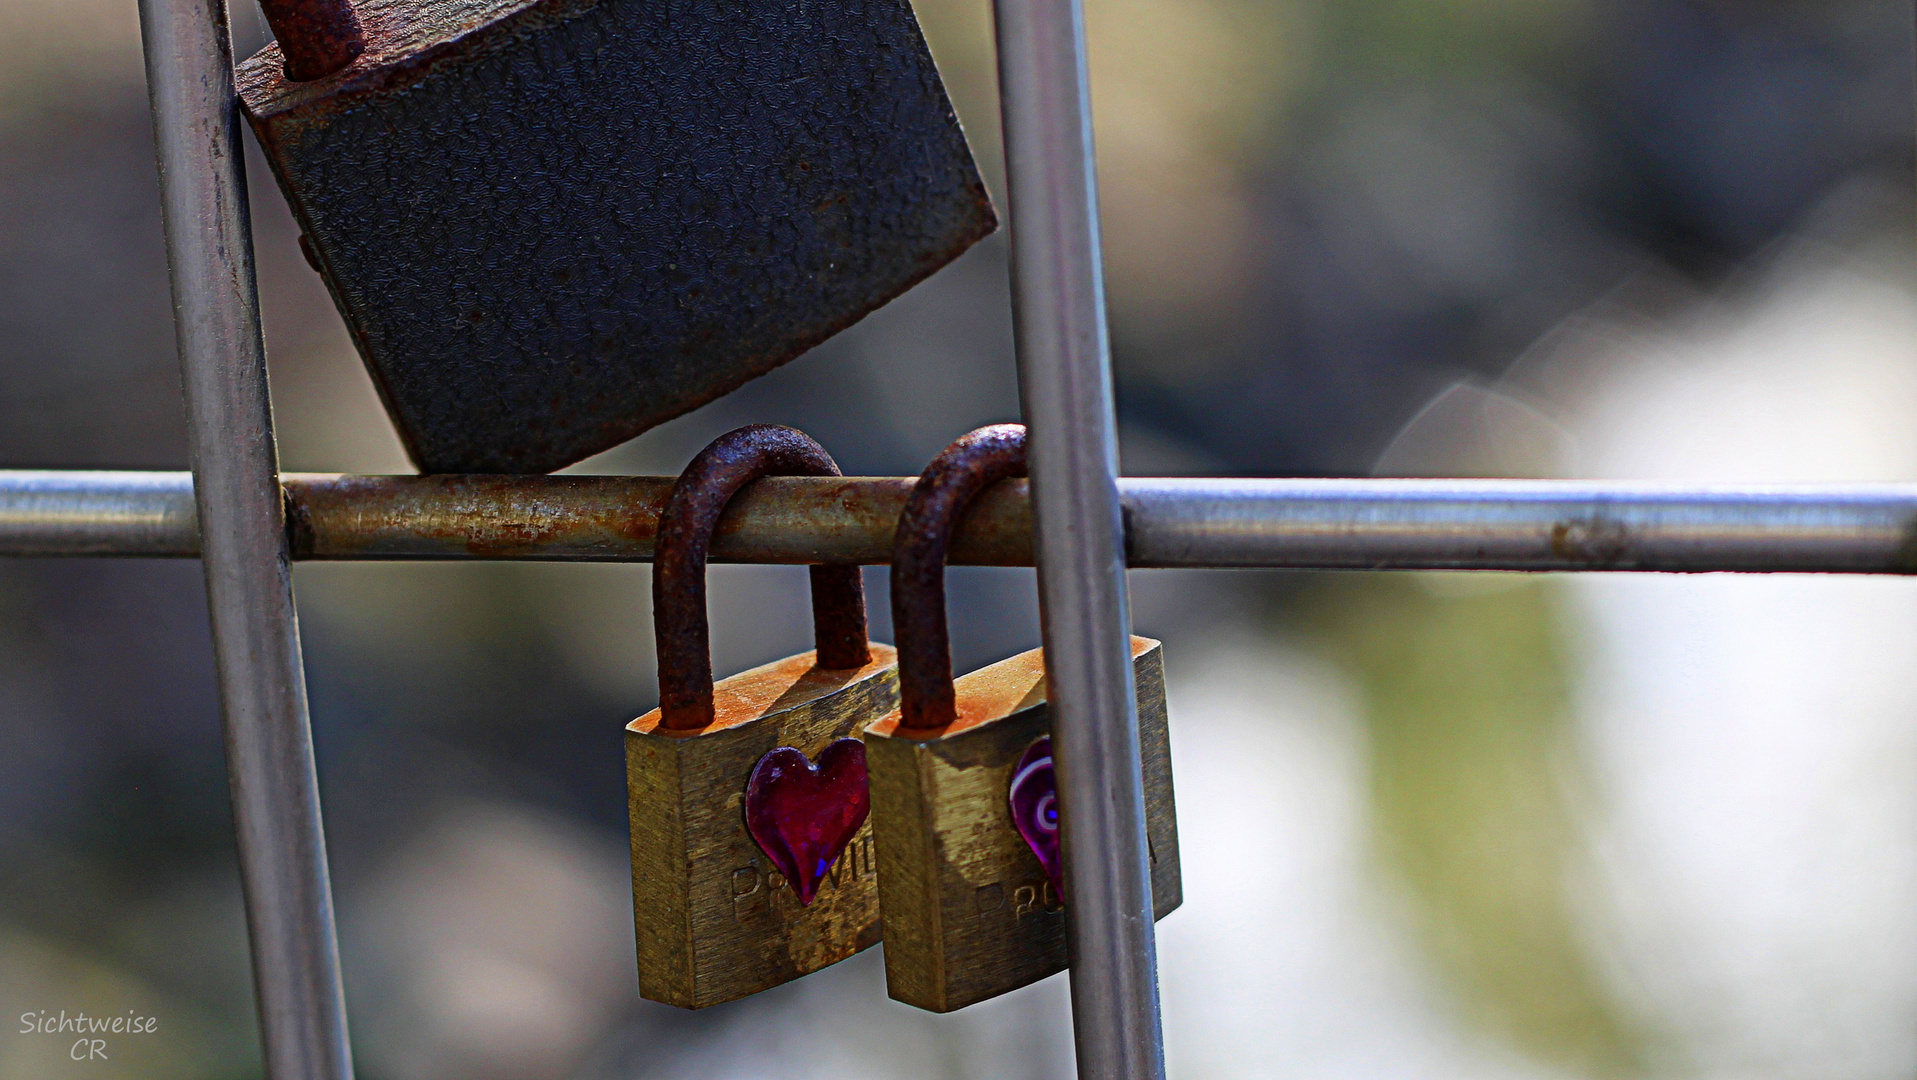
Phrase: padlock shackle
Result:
[700,495]
[317,37]
[928,701]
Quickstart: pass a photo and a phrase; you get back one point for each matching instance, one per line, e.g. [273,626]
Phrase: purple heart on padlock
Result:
[802,815]
[1034,799]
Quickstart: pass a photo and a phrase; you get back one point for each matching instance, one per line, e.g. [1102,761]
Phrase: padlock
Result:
[963,797]
[553,224]
[752,856]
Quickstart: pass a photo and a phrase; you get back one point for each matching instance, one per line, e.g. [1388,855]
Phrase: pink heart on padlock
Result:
[1034,799]
[802,815]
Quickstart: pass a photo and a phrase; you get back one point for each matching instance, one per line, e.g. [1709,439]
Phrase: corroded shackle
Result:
[927,700]
[316,37]
[721,470]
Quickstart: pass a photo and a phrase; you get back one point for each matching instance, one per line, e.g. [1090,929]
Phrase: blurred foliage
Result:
[1426,38]
[1467,702]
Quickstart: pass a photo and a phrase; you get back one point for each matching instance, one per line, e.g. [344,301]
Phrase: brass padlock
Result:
[962,791]
[553,224]
[752,857]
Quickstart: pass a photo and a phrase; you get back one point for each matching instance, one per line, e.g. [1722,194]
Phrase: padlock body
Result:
[969,910]
[715,920]
[553,224]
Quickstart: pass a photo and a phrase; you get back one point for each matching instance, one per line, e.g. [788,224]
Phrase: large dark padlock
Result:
[752,860]
[963,798]
[553,224]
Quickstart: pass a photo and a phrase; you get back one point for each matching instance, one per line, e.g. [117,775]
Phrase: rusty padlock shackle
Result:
[927,699]
[700,495]
[317,37]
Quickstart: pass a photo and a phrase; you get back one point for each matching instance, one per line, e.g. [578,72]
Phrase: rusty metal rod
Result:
[1297,524]
[316,37]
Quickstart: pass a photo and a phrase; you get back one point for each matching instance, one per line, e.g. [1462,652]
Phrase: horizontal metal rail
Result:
[1301,524]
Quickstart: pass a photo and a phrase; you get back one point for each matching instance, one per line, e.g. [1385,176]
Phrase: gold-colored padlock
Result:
[962,794]
[752,857]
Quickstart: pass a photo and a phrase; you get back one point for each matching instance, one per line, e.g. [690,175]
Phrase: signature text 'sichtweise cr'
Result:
[89,1027]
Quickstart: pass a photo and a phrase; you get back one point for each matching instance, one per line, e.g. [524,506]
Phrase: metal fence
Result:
[1076,521]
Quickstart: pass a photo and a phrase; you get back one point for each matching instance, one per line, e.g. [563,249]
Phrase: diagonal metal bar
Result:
[269,747]
[1065,380]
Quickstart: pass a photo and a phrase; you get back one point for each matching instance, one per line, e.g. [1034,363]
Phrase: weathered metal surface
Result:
[969,911]
[780,519]
[939,500]
[1521,525]
[712,924]
[317,37]
[553,224]
[715,919]
[733,461]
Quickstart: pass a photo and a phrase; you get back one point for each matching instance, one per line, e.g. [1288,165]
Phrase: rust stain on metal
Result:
[479,516]
[1904,559]
[836,515]
[997,530]
[1593,541]
[780,519]
[732,462]
[402,44]
[299,525]
[316,37]
[940,499]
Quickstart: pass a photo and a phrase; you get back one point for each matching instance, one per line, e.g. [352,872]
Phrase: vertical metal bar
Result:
[269,746]
[1065,379]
